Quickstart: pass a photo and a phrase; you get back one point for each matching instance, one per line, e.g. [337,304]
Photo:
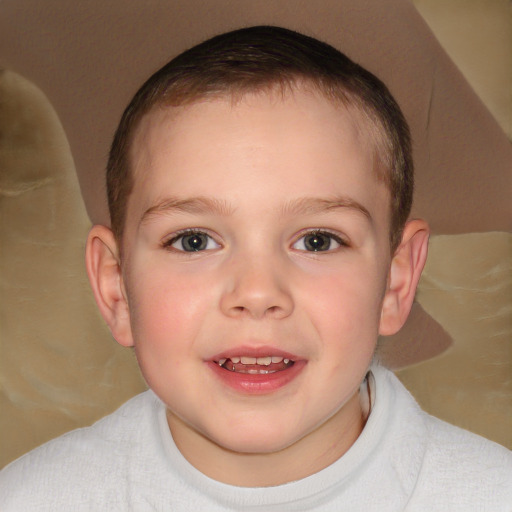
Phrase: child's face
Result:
[255,187]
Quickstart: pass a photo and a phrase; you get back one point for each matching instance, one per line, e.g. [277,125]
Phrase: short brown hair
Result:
[259,58]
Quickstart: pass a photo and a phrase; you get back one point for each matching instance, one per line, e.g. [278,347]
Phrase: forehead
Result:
[164,126]
[300,140]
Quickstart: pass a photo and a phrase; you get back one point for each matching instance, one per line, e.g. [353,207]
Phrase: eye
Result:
[192,241]
[318,241]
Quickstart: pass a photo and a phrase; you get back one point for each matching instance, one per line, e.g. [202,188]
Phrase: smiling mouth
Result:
[255,365]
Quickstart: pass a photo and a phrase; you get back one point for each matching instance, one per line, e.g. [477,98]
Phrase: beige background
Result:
[60,369]
[467,284]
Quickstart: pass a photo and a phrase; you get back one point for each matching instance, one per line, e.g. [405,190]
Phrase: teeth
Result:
[261,361]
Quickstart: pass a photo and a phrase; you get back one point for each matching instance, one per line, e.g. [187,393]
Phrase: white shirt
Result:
[403,460]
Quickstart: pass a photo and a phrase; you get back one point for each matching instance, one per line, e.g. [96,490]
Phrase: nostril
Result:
[255,311]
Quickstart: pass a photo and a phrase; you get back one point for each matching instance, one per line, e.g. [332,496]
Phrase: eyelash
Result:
[180,235]
[324,233]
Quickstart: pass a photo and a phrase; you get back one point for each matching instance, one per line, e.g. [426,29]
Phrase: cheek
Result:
[165,319]
[165,307]
[346,305]
[349,281]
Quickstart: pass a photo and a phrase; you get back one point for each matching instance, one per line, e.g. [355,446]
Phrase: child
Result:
[259,187]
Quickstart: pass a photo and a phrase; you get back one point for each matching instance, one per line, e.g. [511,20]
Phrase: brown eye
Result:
[318,241]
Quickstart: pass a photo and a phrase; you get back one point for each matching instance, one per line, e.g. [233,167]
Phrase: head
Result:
[260,59]
[252,186]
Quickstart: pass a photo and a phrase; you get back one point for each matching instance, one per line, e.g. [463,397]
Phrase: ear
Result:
[404,274]
[104,271]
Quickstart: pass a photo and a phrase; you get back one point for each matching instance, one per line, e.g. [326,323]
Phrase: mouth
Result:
[255,365]
[256,373]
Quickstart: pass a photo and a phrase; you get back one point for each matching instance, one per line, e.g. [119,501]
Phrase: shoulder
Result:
[91,457]
[457,470]
[466,468]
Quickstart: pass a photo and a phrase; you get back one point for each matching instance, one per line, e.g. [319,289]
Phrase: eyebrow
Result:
[313,205]
[205,205]
[195,205]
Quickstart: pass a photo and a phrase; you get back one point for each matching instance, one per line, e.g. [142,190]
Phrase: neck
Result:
[310,454]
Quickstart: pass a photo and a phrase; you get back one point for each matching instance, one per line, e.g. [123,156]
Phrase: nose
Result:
[256,289]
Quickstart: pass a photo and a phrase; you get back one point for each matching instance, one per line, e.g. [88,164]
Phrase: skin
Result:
[256,177]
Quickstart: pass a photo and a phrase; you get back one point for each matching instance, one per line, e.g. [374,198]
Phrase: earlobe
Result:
[104,271]
[404,274]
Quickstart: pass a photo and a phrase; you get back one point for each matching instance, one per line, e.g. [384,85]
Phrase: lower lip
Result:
[257,384]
